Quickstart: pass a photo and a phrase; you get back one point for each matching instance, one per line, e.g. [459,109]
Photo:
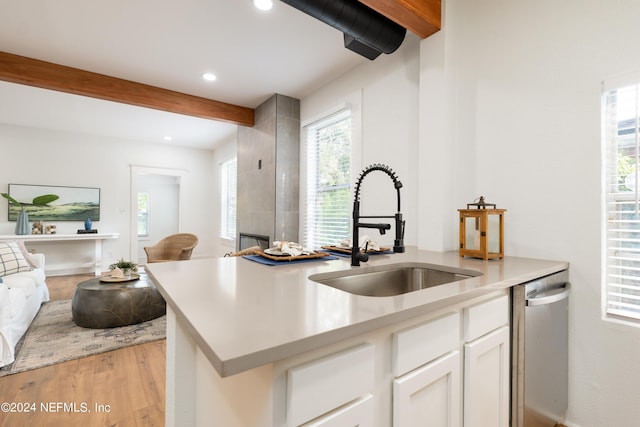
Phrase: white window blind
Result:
[328,170]
[622,198]
[228,192]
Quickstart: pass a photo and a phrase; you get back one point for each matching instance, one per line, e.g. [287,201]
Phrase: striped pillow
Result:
[11,259]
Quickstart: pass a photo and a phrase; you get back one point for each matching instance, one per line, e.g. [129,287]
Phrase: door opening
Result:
[161,189]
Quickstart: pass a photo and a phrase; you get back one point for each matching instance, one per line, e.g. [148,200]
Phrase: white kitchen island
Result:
[255,345]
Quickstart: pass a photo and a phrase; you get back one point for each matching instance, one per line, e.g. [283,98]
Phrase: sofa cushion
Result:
[17,298]
[25,281]
[11,259]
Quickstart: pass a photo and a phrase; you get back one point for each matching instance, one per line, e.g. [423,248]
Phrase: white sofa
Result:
[21,295]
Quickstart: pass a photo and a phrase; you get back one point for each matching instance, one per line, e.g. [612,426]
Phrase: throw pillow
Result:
[11,259]
[25,252]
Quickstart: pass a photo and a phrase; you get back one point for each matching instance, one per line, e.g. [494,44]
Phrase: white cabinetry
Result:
[431,392]
[445,368]
[358,413]
[486,380]
[325,385]
[486,364]
[430,369]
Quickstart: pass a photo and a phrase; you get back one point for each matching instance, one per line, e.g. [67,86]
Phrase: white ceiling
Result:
[168,44]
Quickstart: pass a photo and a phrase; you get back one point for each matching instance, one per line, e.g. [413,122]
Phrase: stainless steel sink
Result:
[393,279]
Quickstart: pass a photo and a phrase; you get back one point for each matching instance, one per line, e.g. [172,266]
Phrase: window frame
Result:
[145,214]
[352,102]
[620,300]
[314,236]
[228,198]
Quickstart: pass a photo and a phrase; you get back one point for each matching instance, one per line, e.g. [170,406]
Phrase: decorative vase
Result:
[22,224]
[87,224]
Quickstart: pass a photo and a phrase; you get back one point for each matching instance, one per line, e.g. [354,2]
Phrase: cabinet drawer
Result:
[322,385]
[483,318]
[358,413]
[417,345]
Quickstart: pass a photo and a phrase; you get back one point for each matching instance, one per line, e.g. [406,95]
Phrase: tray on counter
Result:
[271,260]
[280,258]
[348,250]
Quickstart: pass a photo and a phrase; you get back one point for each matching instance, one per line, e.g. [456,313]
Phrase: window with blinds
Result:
[328,178]
[228,192]
[143,214]
[622,198]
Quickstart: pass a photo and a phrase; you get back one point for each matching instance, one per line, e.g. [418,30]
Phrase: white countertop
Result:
[243,314]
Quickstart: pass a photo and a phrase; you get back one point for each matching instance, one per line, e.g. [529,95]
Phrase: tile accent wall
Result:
[268,170]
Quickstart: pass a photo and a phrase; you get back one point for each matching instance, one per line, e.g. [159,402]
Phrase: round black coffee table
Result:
[99,305]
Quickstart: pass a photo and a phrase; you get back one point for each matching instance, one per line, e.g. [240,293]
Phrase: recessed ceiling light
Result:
[209,77]
[167,138]
[263,4]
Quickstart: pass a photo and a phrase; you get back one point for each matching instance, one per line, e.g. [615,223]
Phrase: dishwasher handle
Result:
[549,297]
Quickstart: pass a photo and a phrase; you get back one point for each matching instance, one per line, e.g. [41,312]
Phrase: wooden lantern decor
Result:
[482,230]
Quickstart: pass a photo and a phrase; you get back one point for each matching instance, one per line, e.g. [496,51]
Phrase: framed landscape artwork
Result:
[74,203]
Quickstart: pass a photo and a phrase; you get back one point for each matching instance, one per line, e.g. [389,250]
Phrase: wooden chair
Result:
[176,247]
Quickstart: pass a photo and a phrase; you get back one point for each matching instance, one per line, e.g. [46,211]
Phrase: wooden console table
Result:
[44,238]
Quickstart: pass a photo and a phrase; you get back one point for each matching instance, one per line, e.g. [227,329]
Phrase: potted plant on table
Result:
[22,224]
[127,267]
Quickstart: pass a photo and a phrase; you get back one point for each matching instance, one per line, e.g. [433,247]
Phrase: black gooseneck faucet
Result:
[398,244]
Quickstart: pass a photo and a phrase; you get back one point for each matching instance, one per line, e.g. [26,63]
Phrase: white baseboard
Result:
[68,271]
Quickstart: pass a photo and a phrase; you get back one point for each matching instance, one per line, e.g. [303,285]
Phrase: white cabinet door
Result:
[355,414]
[486,380]
[429,395]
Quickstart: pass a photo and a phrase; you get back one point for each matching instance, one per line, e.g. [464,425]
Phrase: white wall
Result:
[385,92]
[519,86]
[36,156]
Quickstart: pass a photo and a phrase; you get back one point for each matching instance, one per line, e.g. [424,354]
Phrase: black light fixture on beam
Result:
[366,32]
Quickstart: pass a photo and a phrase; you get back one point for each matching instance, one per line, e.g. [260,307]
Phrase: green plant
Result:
[43,200]
[124,265]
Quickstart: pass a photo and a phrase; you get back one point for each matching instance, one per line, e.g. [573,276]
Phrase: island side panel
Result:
[197,395]
[180,375]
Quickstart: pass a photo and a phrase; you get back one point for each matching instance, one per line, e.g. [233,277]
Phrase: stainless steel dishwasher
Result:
[539,355]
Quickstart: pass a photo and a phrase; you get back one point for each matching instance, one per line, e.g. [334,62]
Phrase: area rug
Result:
[53,338]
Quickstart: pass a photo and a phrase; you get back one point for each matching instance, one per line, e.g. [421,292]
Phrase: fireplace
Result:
[268,172]
[248,240]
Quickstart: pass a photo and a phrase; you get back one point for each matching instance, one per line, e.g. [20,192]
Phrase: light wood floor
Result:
[129,384]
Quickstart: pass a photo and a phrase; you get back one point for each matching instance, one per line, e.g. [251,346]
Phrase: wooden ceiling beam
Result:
[46,75]
[421,17]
